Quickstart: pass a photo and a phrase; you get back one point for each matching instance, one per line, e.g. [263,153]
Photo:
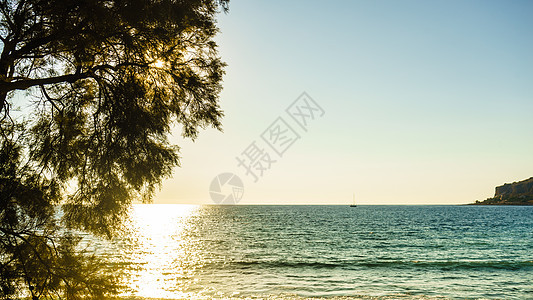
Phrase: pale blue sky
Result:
[426,102]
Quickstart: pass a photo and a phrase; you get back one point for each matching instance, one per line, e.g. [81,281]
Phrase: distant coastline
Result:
[516,193]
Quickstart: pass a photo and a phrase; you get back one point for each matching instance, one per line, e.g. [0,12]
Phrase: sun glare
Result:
[158,64]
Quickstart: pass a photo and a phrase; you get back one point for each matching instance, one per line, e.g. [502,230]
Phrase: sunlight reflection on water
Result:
[161,249]
[292,252]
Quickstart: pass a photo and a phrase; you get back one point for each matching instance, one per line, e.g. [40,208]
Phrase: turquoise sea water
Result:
[387,252]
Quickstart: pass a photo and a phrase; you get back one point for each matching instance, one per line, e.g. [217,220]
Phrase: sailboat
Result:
[353,201]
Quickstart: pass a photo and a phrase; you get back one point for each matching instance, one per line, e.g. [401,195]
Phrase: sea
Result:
[324,252]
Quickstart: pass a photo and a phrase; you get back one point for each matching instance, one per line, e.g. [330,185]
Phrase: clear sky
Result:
[425,102]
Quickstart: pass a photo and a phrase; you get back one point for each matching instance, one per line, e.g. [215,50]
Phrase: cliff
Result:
[516,193]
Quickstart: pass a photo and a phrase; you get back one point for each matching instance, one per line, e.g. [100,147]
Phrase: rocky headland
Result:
[516,193]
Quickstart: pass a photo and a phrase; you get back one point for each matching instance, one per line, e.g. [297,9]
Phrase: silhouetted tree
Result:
[105,81]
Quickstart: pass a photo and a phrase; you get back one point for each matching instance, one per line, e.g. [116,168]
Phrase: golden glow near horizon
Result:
[409,119]
[162,249]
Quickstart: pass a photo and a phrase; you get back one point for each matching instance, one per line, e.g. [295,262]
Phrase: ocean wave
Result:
[445,265]
[297,297]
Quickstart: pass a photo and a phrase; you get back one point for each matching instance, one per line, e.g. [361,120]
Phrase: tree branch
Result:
[27,83]
[23,84]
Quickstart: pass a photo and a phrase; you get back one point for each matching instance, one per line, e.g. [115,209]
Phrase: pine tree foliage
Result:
[106,80]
